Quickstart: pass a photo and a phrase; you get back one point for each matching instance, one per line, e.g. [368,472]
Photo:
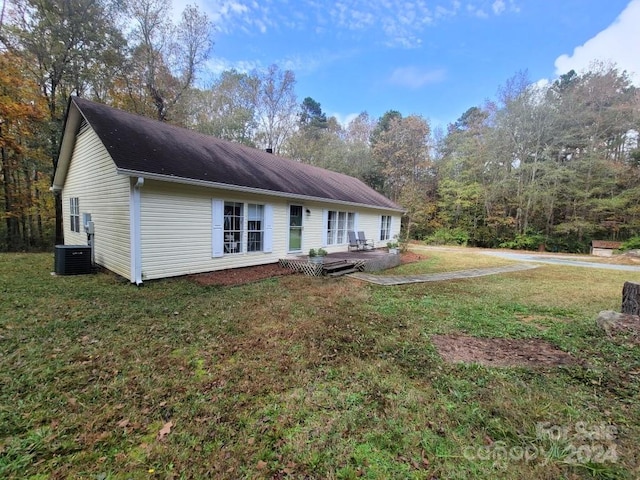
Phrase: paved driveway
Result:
[571,261]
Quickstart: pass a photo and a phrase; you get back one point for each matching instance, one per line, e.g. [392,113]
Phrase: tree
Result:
[61,43]
[545,164]
[276,107]
[227,110]
[358,150]
[24,210]
[165,57]
[310,141]
[402,148]
[465,175]
[311,116]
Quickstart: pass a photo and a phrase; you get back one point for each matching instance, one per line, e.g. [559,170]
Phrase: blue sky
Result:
[434,58]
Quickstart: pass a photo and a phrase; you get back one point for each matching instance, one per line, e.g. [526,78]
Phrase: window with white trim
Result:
[74,214]
[385,227]
[238,227]
[233,223]
[255,227]
[338,224]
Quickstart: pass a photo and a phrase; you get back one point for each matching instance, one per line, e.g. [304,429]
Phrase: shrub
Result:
[448,236]
[632,244]
[524,242]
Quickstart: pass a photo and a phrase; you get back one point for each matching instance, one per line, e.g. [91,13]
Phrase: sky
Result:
[434,58]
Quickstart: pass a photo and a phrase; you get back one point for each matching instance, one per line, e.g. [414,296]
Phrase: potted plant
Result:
[394,246]
[317,255]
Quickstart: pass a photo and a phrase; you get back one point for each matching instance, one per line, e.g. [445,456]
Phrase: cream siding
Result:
[177,230]
[311,226]
[370,224]
[367,220]
[102,192]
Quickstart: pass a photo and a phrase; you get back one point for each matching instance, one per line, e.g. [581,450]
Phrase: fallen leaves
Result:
[164,431]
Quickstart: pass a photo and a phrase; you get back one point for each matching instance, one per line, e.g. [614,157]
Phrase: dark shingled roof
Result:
[606,244]
[145,146]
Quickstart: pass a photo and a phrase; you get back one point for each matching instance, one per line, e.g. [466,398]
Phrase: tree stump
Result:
[631,298]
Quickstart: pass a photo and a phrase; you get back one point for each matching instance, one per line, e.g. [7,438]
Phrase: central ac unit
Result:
[73,259]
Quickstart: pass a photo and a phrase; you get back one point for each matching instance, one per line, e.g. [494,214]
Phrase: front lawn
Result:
[301,377]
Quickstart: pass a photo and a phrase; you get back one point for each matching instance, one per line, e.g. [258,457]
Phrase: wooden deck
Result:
[362,261]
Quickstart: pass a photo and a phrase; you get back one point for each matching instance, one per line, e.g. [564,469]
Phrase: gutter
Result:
[243,189]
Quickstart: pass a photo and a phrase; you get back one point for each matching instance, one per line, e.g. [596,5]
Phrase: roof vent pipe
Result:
[269,150]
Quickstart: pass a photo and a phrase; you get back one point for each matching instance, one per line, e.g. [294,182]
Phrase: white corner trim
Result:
[134,230]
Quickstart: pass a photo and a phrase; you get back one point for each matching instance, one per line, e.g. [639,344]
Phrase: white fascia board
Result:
[66,147]
[240,188]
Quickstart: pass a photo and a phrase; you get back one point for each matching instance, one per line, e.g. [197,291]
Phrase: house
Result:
[604,248]
[166,201]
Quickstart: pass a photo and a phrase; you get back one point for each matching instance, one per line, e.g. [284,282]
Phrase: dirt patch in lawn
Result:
[500,352]
[410,257]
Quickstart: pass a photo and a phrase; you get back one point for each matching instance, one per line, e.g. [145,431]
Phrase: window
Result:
[332,226]
[74,214]
[238,227]
[255,227]
[341,233]
[233,222]
[385,227]
[338,223]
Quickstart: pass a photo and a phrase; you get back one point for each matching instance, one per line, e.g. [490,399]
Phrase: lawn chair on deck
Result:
[353,241]
[366,244]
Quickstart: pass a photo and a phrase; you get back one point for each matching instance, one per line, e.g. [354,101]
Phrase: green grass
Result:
[309,378]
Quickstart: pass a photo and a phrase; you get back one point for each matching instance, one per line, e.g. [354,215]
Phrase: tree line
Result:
[557,165]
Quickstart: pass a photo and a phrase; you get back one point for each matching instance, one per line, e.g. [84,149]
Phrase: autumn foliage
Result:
[27,210]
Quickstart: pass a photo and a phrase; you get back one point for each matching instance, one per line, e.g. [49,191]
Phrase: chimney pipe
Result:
[269,150]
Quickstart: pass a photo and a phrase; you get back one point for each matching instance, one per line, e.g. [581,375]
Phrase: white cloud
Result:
[475,11]
[542,84]
[617,43]
[217,65]
[441,11]
[402,23]
[414,77]
[230,15]
[314,61]
[498,7]
[300,65]
[344,119]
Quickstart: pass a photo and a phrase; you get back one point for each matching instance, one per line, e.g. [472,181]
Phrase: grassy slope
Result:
[306,377]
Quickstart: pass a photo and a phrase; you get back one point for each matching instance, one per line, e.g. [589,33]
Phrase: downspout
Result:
[134,226]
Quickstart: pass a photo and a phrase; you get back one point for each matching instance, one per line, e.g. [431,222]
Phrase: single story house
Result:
[167,201]
[604,248]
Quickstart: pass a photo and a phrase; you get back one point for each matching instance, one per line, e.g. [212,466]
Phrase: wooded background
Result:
[555,165]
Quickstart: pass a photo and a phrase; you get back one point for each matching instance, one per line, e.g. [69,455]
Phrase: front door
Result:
[295,228]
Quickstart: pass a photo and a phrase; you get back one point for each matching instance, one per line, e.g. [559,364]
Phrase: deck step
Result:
[338,269]
[339,273]
[332,267]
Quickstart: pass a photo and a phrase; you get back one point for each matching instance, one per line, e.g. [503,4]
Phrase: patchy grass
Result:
[446,261]
[301,377]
